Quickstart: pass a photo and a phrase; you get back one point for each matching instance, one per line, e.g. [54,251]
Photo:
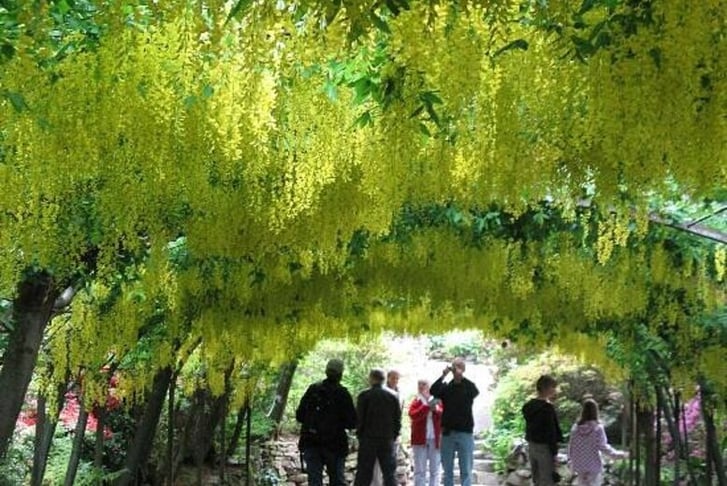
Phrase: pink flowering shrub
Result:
[691,420]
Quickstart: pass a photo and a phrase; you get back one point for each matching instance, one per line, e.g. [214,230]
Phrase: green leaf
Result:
[425,131]
[62,7]
[430,97]
[586,6]
[17,100]
[331,90]
[521,44]
[393,7]
[7,51]
[239,8]
[380,23]
[362,87]
[364,120]
[332,11]
[432,113]
[189,101]
[417,112]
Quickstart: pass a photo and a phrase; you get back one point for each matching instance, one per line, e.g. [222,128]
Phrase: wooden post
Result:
[657,451]
[248,433]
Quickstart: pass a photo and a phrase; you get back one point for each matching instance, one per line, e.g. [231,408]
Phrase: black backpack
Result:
[320,421]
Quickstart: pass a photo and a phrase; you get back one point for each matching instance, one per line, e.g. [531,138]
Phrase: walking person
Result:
[542,431]
[325,412]
[379,424]
[392,386]
[457,397]
[587,442]
[425,413]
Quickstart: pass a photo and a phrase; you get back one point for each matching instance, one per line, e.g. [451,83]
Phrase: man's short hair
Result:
[545,382]
[377,375]
[334,368]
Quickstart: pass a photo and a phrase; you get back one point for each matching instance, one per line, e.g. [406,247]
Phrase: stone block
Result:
[484,465]
[299,478]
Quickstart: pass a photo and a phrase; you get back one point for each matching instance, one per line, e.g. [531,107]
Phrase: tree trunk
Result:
[44,431]
[223,449]
[663,399]
[201,434]
[205,414]
[140,448]
[636,444]
[223,426]
[237,431]
[248,445]
[657,443]
[646,426]
[170,429]
[690,467]
[31,312]
[77,443]
[714,453]
[285,381]
[100,413]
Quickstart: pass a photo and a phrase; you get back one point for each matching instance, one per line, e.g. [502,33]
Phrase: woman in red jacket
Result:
[425,412]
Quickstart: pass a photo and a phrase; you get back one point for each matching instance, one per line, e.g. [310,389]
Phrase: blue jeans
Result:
[316,458]
[463,443]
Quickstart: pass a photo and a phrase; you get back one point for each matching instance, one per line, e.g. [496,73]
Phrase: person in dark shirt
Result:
[542,431]
[457,422]
[379,424]
[326,443]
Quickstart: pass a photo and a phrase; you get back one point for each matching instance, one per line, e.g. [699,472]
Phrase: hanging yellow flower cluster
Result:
[224,133]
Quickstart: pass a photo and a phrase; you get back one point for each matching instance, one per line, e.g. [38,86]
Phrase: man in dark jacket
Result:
[542,431]
[325,412]
[457,422]
[379,424]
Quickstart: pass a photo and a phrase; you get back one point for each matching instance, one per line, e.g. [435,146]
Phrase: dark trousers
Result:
[369,450]
[316,458]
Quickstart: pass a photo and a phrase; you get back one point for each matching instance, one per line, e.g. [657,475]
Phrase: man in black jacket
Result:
[457,422]
[379,424]
[542,431]
[325,412]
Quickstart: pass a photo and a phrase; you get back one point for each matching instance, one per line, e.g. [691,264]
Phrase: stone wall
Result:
[283,458]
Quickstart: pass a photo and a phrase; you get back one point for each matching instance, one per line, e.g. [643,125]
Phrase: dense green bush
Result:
[15,469]
[518,385]
[469,344]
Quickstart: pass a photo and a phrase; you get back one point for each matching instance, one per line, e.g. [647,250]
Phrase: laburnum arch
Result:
[240,182]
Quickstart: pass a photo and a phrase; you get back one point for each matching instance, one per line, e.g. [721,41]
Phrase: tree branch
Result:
[693,228]
[64,300]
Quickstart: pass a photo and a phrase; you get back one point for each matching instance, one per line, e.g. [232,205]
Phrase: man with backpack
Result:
[325,412]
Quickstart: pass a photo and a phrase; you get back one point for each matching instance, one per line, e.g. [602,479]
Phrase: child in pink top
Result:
[587,442]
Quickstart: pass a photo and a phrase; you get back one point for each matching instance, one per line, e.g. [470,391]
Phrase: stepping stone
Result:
[481,454]
[484,465]
[490,479]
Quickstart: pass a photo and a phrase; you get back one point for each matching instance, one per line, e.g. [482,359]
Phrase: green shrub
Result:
[16,467]
[469,344]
